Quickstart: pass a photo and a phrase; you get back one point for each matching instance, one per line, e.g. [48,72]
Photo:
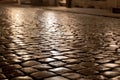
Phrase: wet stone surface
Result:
[37,44]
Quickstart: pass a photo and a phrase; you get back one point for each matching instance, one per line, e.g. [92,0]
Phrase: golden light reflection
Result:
[56,28]
[52,26]
[17,16]
[50,19]
[17,19]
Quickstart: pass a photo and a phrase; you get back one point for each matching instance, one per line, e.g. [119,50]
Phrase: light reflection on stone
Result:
[17,19]
[17,16]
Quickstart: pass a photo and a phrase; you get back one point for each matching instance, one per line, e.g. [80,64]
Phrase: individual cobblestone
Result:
[2,76]
[42,67]
[47,60]
[111,65]
[28,70]
[57,78]
[30,63]
[13,73]
[60,70]
[73,76]
[57,63]
[22,78]
[111,73]
[42,74]
[116,78]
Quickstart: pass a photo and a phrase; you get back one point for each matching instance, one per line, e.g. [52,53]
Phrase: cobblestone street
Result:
[38,44]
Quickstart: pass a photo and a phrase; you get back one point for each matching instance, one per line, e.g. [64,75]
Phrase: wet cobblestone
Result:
[38,44]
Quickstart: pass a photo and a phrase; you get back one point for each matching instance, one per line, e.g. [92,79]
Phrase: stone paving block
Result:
[112,47]
[60,57]
[60,70]
[28,70]
[101,61]
[88,71]
[87,64]
[118,50]
[117,69]
[71,61]
[2,76]
[8,68]
[102,68]
[111,73]
[16,66]
[26,59]
[13,73]
[57,63]
[22,78]
[101,77]
[75,67]
[63,49]
[10,55]
[56,78]
[71,56]
[42,56]
[87,59]
[111,65]
[21,52]
[42,74]
[2,58]
[73,76]
[46,60]
[14,60]
[56,53]
[42,67]
[4,63]
[116,78]
[30,63]
[117,62]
